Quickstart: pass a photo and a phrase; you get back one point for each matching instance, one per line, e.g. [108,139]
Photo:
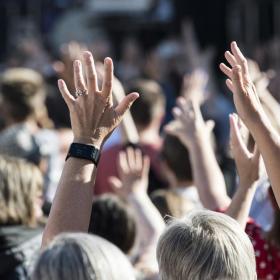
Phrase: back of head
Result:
[20,188]
[23,93]
[150,105]
[205,245]
[79,256]
[176,157]
[112,219]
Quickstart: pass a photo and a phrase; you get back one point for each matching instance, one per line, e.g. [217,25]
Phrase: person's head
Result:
[80,256]
[149,109]
[112,219]
[205,245]
[23,96]
[20,192]
[170,204]
[176,161]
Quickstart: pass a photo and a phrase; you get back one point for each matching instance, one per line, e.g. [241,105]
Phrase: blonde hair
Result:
[20,184]
[205,245]
[80,256]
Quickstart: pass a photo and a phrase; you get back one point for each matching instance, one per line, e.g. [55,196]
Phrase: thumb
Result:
[115,183]
[126,103]
[210,125]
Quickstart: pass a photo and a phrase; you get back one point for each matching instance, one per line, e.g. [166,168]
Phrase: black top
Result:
[19,246]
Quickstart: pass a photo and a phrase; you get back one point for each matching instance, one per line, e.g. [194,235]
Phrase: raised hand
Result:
[188,124]
[133,169]
[194,86]
[245,97]
[247,163]
[93,116]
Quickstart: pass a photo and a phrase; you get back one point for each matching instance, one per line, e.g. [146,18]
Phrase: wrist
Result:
[88,141]
[248,185]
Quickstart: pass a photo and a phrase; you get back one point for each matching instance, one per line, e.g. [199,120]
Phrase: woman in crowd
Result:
[21,186]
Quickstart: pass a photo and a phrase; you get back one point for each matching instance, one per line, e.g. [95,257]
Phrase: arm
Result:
[133,183]
[93,118]
[195,135]
[248,169]
[251,112]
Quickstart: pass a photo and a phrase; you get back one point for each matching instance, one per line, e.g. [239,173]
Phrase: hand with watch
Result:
[93,118]
[92,112]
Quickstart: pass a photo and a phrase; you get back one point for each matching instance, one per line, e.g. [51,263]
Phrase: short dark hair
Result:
[112,219]
[151,101]
[177,158]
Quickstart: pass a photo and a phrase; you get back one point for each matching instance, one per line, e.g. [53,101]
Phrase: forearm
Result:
[241,203]
[268,142]
[208,177]
[150,227]
[149,219]
[71,207]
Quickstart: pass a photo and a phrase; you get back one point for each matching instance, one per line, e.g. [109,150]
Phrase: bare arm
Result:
[133,183]
[248,170]
[93,118]
[251,112]
[195,134]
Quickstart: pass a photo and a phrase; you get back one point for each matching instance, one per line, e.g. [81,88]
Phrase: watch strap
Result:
[84,151]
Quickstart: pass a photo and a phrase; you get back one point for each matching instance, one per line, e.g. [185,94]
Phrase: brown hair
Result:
[24,94]
[176,156]
[108,210]
[150,103]
[20,183]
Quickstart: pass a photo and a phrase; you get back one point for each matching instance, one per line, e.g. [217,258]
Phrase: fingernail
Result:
[77,63]
[107,60]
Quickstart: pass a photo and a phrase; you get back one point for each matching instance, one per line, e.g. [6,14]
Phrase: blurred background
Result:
[159,40]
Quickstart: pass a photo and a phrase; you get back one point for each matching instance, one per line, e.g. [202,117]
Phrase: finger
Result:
[230,85]
[138,159]
[226,70]
[230,59]
[68,98]
[237,79]
[130,155]
[241,60]
[146,166]
[210,124]
[122,164]
[90,70]
[181,103]
[177,113]
[126,103]
[108,78]
[78,76]
[196,109]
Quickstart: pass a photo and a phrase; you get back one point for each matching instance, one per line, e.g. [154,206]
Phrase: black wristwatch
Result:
[84,151]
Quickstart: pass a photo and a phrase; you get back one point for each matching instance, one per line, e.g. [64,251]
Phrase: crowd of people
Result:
[146,171]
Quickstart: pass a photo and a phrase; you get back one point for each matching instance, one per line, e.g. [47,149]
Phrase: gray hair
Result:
[79,256]
[205,245]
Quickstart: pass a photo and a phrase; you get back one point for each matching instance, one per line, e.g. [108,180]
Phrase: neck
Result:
[149,135]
